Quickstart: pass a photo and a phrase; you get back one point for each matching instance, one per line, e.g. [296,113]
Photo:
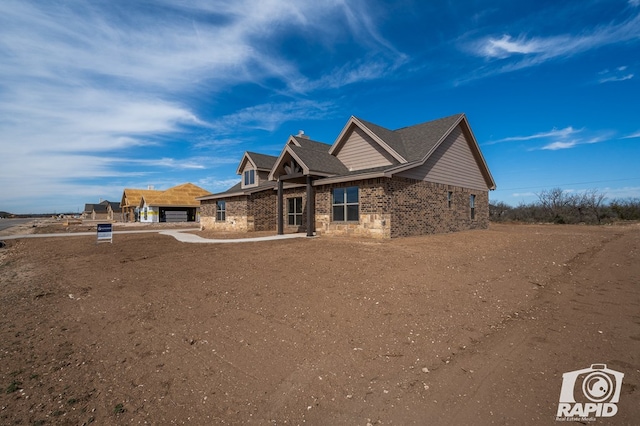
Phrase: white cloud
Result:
[556,139]
[505,46]
[559,133]
[632,135]
[218,185]
[560,145]
[616,78]
[634,3]
[270,116]
[85,83]
[526,50]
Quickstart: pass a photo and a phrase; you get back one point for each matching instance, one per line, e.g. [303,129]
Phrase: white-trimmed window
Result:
[249,177]
[345,204]
[472,204]
[221,211]
[294,211]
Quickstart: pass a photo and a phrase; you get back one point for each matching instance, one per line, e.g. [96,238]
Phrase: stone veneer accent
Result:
[254,212]
[236,215]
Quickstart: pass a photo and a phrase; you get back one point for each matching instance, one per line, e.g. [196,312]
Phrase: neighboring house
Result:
[114,212]
[372,181]
[177,204]
[98,211]
[130,203]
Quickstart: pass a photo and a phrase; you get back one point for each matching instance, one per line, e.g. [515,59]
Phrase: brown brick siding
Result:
[389,208]
[400,207]
[421,208]
[262,208]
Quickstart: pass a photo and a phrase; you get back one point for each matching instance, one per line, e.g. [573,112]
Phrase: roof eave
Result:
[348,178]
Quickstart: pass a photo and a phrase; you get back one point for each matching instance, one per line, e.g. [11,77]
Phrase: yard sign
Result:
[105,233]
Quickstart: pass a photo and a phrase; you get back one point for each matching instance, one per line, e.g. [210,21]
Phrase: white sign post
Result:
[105,233]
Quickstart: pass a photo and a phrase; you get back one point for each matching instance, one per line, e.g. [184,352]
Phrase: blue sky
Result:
[99,96]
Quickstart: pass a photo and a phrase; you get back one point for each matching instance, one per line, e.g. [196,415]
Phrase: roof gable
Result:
[310,159]
[384,138]
[131,196]
[454,159]
[420,139]
[360,151]
[182,195]
[261,162]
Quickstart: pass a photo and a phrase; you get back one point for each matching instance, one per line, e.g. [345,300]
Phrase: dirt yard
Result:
[469,328]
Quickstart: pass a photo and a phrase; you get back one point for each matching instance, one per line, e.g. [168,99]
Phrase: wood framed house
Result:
[130,203]
[176,204]
[374,182]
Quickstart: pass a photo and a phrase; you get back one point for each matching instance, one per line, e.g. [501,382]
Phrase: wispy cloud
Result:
[85,83]
[270,116]
[632,135]
[566,144]
[556,139]
[523,50]
[554,133]
[617,74]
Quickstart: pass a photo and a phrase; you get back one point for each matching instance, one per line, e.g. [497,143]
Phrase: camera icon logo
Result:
[592,391]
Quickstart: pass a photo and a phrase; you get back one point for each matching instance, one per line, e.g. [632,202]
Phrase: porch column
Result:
[311,217]
[280,208]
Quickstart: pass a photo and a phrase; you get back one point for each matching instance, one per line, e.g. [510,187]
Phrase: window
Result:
[294,211]
[472,204]
[345,204]
[249,177]
[221,211]
[449,199]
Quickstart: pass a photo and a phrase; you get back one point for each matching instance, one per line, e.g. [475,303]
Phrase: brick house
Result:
[372,182]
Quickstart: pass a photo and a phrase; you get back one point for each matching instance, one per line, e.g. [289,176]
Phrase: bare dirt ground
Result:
[469,328]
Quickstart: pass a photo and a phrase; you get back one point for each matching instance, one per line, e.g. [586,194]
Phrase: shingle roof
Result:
[391,138]
[414,142]
[262,161]
[237,190]
[311,144]
[318,160]
[418,140]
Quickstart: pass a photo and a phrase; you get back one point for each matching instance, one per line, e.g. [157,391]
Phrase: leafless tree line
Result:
[559,206]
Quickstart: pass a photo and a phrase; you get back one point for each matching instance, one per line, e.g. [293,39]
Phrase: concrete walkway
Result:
[178,234]
[192,238]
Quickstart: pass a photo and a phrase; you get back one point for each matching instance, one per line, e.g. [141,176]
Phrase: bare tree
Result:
[593,201]
[556,203]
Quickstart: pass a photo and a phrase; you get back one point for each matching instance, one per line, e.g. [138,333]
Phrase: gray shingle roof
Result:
[414,142]
[237,190]
[310,144]
[390,137]
[262,161]
[418,140]
[319,160]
